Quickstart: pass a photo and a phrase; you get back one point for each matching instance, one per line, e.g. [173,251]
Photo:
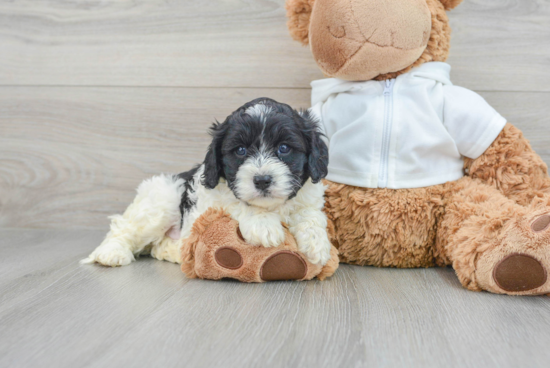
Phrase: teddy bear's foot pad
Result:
[284,265]
[228,258]
[520,272]
[541,224]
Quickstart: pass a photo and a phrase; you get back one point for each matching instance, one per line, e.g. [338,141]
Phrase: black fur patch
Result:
[186,202]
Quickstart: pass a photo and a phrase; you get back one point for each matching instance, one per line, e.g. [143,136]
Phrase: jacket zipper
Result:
[386,134]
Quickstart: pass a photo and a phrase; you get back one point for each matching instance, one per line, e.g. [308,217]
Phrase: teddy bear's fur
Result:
[216,250]
[492,226]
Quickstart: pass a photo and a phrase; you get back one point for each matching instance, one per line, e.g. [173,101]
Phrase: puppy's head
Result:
[266,151]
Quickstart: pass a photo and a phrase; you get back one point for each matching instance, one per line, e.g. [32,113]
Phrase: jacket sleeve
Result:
[470,120]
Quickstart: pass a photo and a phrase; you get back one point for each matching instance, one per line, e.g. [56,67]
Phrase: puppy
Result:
[263,167]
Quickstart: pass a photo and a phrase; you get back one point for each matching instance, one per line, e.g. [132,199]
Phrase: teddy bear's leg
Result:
[511,166]
[384,227]
[493,243]
[216,249]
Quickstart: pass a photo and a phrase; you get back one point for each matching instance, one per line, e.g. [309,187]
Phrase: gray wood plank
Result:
[69,157]
[151,43]
[501,45]
[35,260]
[65,310]
[428,319]
[285,324]
[148,314]
[497,45]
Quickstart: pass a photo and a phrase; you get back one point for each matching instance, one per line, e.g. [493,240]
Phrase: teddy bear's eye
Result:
[337,31]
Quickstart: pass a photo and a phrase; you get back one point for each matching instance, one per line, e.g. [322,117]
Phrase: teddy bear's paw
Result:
[283,265]
[314,243]
[519,273]
[110,254]
[519,264]
[262,233]
[279,266]
[524,271]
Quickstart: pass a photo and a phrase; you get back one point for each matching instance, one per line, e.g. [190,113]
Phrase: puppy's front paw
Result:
[260,233]
[314,243]
[110,254]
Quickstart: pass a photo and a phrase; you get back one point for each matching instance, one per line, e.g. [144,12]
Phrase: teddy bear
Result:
[217,250]
[422,173]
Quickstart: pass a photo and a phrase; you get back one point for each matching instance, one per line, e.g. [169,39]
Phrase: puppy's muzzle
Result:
[262,182]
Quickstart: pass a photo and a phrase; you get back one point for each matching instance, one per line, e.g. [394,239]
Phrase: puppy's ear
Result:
[318,152]
[450,4]
[213,168]
[299,13]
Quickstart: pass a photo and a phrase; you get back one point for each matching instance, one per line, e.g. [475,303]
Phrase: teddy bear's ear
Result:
[450,4]
[298,13]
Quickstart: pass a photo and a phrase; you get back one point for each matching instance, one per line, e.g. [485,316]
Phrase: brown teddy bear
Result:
[421,172]
[217,250]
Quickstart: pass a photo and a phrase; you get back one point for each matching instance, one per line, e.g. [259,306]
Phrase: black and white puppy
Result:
[263,167]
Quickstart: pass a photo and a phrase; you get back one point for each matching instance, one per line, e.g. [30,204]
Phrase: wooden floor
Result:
[97,95]
[57,313]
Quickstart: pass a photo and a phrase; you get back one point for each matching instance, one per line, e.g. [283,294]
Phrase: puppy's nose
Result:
[262,181]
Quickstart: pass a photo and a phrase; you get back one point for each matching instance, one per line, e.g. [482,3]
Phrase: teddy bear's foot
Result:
[282,265]
[218,250]
[519,264]
[519,273]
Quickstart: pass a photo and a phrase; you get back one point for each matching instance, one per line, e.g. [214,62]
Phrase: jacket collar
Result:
[323,88]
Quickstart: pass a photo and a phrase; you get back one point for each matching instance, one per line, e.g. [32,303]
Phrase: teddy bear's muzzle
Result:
[383,36]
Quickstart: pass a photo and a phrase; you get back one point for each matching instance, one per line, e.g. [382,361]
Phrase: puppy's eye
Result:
[284,149]
[241,151]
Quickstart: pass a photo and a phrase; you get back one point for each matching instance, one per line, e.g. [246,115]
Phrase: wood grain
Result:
[151,43]
[501,45]
[70,157]
[497,45]
[57,313]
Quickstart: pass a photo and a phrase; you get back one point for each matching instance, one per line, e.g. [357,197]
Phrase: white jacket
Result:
[408,132]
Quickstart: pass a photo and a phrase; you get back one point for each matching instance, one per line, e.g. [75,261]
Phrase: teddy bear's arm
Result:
[511,166]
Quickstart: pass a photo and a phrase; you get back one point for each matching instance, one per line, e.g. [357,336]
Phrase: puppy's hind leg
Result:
[153,212]
[168,249]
